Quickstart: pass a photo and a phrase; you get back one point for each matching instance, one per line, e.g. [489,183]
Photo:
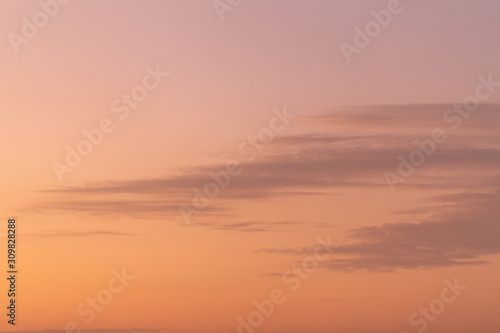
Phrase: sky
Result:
[251,166]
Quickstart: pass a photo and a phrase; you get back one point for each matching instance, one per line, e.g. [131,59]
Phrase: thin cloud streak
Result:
[463,235]
[311,164]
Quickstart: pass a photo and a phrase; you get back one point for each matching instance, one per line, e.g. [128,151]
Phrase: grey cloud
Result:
[464,235]
[305,164]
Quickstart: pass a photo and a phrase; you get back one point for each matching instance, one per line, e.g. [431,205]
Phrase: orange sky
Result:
[313,137]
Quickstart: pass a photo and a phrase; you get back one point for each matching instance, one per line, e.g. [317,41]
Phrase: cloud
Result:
[308,164]
[263,226]
[307,170]
[464,233]
[410,117]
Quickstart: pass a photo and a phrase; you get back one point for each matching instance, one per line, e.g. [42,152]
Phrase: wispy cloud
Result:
[465,232]
[311,164]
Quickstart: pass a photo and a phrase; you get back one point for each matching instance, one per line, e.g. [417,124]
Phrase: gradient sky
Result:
[322,176]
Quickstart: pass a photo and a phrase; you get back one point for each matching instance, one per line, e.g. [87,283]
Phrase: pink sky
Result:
[322,174]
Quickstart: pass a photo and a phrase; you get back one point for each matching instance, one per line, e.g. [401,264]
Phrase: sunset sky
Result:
[119,116]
